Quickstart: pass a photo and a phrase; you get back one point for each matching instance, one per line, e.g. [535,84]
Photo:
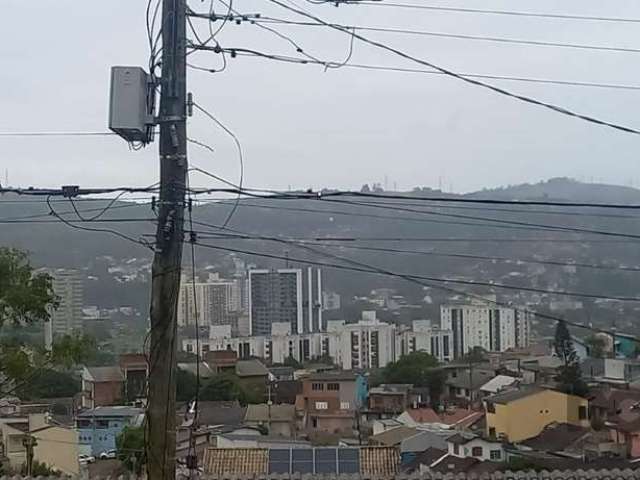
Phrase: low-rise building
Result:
[392,399]
[101,386]
[277,419]
[329,401]
[465,445]
[57,447]
[522,414]
[99,427]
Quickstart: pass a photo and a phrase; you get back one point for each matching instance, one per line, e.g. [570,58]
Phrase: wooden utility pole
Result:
[165,283]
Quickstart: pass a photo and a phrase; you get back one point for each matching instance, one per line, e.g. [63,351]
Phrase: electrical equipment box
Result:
[131,104]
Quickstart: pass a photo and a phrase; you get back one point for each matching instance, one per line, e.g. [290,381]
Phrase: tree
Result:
[186,384]
[414,368]
[48,383]
[419,369]
[130,446]
[292,362]
[569,375]
[597,346]
[475,355]
[39,469]
[25,296]
[71,350]
[221,387]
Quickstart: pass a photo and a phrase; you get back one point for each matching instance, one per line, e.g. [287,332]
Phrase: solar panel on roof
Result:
[302,460]
[348,460]
[326,460]
[280,461]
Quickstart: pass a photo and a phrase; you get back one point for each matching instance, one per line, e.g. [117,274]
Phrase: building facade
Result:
[287,295]
[99,427]
[480,324]
[68,286]
[367,344]
[216,302]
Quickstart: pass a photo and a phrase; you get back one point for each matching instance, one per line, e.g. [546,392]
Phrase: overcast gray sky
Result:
[302,127]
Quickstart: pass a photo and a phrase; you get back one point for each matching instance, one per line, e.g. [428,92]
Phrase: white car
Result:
[108,454]
[85,459]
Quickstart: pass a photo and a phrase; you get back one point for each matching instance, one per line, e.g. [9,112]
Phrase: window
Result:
[582,412]
[491,408]
[322,406]
[189,348]
[333,386]
[456,449]
[317,386]
[344,405]
[476,451]
[495,455]
[492,432]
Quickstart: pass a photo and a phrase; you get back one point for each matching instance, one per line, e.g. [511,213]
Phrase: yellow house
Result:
[523,414]
[57,447]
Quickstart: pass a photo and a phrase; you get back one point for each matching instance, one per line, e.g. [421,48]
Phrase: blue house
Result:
[99,427]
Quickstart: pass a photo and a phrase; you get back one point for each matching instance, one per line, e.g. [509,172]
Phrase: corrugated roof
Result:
[105,374]
[333,375]
[393,436]
[498,383]
[265,413]
[556,437]
[514,395]
[380,461]
[117,411]
[248,461]
[251,368]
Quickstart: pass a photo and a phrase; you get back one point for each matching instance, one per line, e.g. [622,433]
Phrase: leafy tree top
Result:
[25,296]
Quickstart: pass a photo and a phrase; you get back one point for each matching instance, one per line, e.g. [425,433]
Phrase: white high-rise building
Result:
[367,344]
[67,317]
[490,327]
[217,302]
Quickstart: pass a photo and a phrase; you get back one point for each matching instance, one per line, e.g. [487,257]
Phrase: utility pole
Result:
[29,444]
[165,283]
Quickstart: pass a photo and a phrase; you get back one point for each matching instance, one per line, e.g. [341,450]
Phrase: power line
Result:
[56,134]
[465,256]
[407,31]
[488,86]
[500,222]
[413,279]
[300,61]
[437,279]
[559,16]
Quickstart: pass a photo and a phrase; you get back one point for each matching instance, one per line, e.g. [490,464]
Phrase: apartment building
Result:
[486,325]
[216,301]
[67,317]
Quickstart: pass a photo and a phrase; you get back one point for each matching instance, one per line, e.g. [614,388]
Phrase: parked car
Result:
[108,454]
[84,459]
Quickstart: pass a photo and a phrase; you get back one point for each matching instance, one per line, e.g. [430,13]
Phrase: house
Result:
[329,401]
[221,361]
[561,439]
[212,414]
[389,400]
[281,373]
[384,424]
[392,437]
[57,447]
[135,371]
[422,460]
[13,429]
[101,386]
[411,447]
[99,427]
[465,445]
[279,420]
[245,438]
[253,377]
[451,418]
[369,462]
[498,384]
[522,414]
[467,383]
[285,391]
